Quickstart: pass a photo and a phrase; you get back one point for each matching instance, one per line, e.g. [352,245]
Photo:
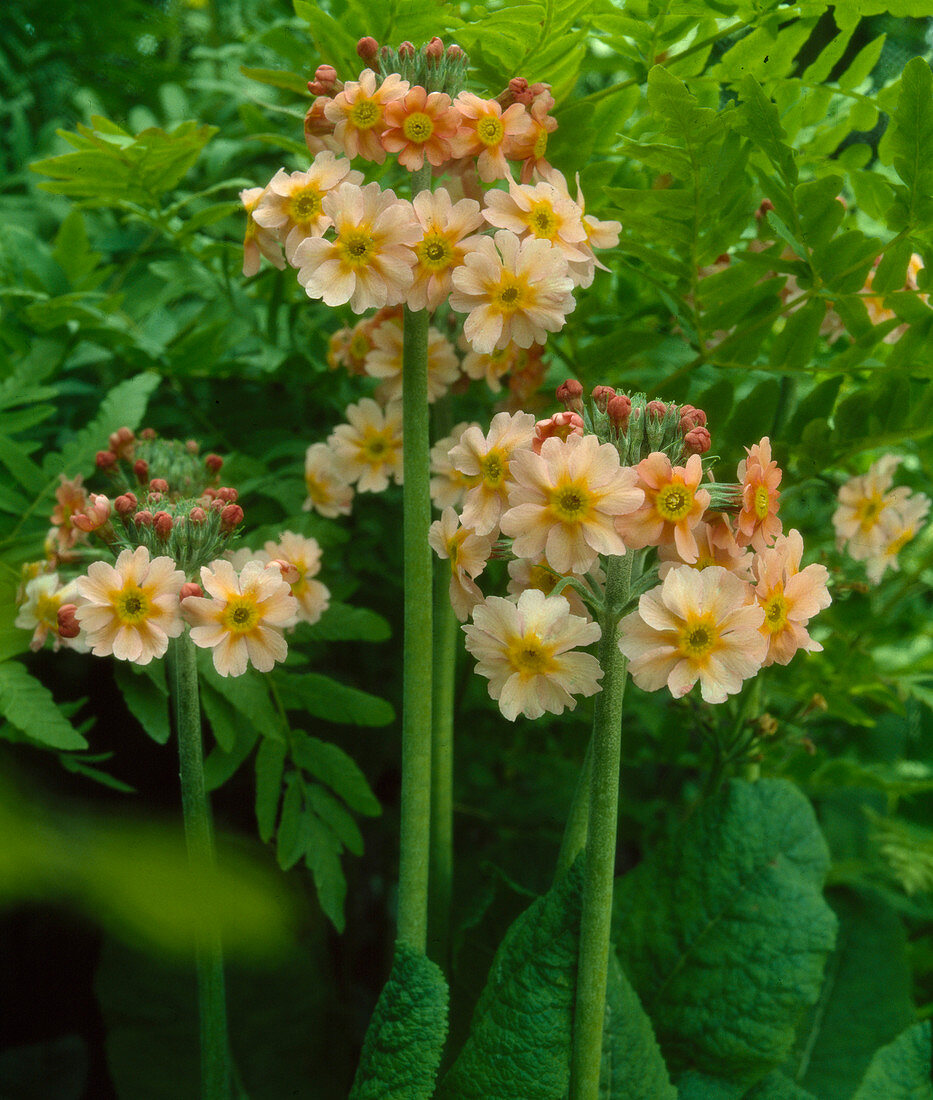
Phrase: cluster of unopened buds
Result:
[164,532]
[611,476]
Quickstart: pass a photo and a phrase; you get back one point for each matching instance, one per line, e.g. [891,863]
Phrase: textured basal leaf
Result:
[778,1087]
[723,930]
[902,1069]
[519,1042]
[632,1065]
[405,1038]
[865,1001]
[697,1086]
[28,705]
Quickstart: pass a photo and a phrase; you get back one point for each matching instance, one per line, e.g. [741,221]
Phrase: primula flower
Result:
[532,149]
[243,622]
[539,211]
[70,498]
[758,522]
[564,501]
[43,596]
[368,449]
[468,554]
[489,134]
[258,242]
[132,607]
[385,361]
[524,574]
[525,650]
[864,502]
[696,625]
[716,545]
[370,262]
[358,113]
[674,504]
[900,525]
[487,458]
[329,494]
[448,485]
[292,203]
[493,365]
[789,597]
[514,291]
[304,555]
[447,234]
[420,125]
[598,234]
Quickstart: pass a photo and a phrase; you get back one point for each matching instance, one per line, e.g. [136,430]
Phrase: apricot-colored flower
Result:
[598,234]
[758,523]
[358,113]
[531,150]
[304,556]
[489,133]
[368,448]
[243,622]
[468,554]
[864,503]
[70,498]
[487,459]
[329,494]
[564,501]
[789,597]
[525,650]
[696,625]
[132,607]
[385,361]
[448,485]
[525,573]
[258,242]
[514,292]
[43,596]
[539,211]
[370,262]
[899,525]
[292,204]
[674,504]
[716,545]
[493,365]
[447,234]
[420,125]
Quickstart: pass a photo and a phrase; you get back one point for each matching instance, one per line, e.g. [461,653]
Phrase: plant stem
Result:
[446,636]
[183,680]
[418,638]
[600,842]
[574,839]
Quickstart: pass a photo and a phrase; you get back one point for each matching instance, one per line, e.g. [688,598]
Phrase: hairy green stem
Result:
[418,639]
[183,680]
[600,842]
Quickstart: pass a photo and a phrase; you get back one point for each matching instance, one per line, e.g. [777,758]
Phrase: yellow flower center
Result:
[762,500]
[317,490]
[453,545]
[365,114]
[494,469]
[540,145]
[775,609]
[305,205]
[132,605]
[529,657]
[697,638]
[377,447]
[240,615]
[899,543]
[435,252]
[418,127]
[490,130]
[542,220]
[356,247]
[674,502]
[510,295]
[570,503]
[542,579]
[360,346]
[868,511]
[47,609]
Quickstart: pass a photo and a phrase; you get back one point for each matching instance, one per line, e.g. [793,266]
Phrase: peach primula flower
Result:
[486,458]
[329,494]
[385,361]
[696,625]
[292,203]
[489,134]
[131,607]
[419,126]
[370,262]
[789,597]
[258,242]
[525,573]
[468,554]
[597,234]
[864,504]
[358,113]
[900,526]
[716,545]
[758,524]
[70,498]
[673,506]
[368,448]
[492,366]
[448,485]
[564,500]
[304,556]
[514,291]
[43,597]
[527,652]
[540,211]
[447,235]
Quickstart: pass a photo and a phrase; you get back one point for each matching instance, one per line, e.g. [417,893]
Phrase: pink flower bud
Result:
[68,625]
[158,485]
[231,516]
[93,518]
[197,516]
[657,409]
[121,442]
[691,418]
[619,409]
[141,470]
[697,441]
[766,205]
[454,53]
[147,433]
[192,446]
[105,460]
[434,49]
[406,50]
[561,425]
[517,92]
[570,395]
[189,588]
[227,494]
[162,524]
[143,518]
[367,48]
[213,463]
[602,395]
[125,504]
[289,571]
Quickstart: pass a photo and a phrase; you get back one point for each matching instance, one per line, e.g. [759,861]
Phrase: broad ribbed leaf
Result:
[902,1069]
[723,930]
[405,1038]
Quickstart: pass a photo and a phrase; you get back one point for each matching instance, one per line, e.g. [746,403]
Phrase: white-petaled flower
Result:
[369,264]
[243,622]
[368,448]
[598,234]
[448,485]
[526,651]
[258,242]
[900,526]
[329,494]
[467,553]
[304,555]
[863,504]
[514,291]
[132,607]
[486,458]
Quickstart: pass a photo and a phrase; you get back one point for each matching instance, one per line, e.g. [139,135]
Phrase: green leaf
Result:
[519,1042]
[908,145]
[222,717]
[697,1086]
[343,623]
[270,767]
[249,694]
[900,1070]
[220,765]
[844,262]
[332,813]
[723,930]
[323,697]
[332,766]
[295,824]
[757,119]
[278,78]
[794,347]
[821,212]
[322,858]
[778,1087]
[146,696]
[865,1001]
[28,705]
[405,1039]
[632,1066]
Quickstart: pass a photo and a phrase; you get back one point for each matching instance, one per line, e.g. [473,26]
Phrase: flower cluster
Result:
[874,520]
